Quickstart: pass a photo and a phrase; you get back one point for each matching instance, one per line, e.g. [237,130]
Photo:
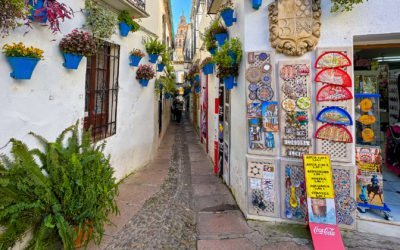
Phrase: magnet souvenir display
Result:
[334,76]
[288,72]
[265,93]
[253,74]
[367,135]
[303,103]
[335,115]
[336,133]
[289,105]
[366,105]
[333,93]
[332,59]
[367,119]
[270,116]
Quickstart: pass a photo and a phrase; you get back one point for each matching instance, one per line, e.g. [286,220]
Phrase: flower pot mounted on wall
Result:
[208,69]
[134,60]
[197,89]
[22,67]
[229,82]
[144,82]
[38,13]
[72,60]
[124,29]
[221,38]
[256,4]
[153,58]
[160,67]
[227,15]
[213,51]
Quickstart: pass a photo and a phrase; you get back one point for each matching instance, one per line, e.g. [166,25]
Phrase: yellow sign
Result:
[318,173]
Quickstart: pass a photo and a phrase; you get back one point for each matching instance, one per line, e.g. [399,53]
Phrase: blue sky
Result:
[177,7]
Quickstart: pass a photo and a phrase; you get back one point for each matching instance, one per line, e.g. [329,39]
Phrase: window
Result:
[101,94]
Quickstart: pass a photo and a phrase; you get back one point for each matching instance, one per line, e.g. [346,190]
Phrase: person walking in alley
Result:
[179,104]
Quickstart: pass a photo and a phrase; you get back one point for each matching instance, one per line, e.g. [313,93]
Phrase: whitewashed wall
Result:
[54,98]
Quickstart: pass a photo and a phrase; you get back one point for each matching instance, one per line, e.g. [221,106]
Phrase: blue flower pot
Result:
[160,86]
[208,69]
[39,16]
[227,15]
[71,61]
[197,89]
[213,51]
[167,96]
[144,82]
[233,56]
[153,58]
[197,78]
[124,29]
[22,67]
[160,67]
[256,4]
[135,60]
[229,82]
[221,38]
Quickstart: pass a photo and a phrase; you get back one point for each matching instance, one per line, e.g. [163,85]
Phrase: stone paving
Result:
[194,209]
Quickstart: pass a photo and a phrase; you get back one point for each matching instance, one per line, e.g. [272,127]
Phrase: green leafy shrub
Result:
[124,17]
[53,193]
[13,12]
[102,22]
[344,5]
[166,84]
[226,65]
[153,46]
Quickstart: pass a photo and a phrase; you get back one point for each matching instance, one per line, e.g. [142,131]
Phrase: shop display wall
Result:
[339,151]
[262,105]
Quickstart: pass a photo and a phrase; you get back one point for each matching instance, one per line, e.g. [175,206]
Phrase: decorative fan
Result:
[333,93]
[332,59]
[336,133]
[335,115]
[334,76]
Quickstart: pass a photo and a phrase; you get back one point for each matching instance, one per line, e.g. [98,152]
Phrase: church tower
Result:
[180,38]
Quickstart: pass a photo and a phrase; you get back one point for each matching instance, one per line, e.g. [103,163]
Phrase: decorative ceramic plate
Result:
[252,96]
[367,119]
[368,135]
[266,79]
[253,86]
[335,115]
[262,56]
[253,74]
[332,59]
[336,133]
[288,72]
[289,91]
[366,105]
[303,103]
[265,93]
[303,70]
[333,93]
[334,76]
[266,67]
[289,105]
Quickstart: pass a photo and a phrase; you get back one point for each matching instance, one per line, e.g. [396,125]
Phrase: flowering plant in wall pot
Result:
[207,65]
[135,56]
[221,35]
[13,14]
[209,39]
[102,22]
[193,72]
[154,48]
[215,32]
[50,10]
[75,46]
[22,59]
[226,12]
[256,4]
[126,23]
[144,74]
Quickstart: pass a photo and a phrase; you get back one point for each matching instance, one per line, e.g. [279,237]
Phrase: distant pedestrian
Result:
[179,107]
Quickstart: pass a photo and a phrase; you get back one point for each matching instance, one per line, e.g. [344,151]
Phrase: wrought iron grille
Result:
[141,4]
[101,98]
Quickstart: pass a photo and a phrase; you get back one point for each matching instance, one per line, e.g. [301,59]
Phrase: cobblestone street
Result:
[176,202]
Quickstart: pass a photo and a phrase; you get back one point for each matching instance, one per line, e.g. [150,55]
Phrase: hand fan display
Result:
[333,93]
[337,133]
[332,59]
[334,76]
[335,115]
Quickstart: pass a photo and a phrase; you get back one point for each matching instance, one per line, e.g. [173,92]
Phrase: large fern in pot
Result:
[56,193]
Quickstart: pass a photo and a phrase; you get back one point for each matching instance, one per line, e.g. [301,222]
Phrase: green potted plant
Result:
[22,59]
[154,48]
[226,11]
[165,60]
[13,14]
[101,21]
[135,56]
[207,65]
[209,39]
[126,23]
[59,193]
[50,10]
[344,5]
[220,33]
[74,46]
[144,73]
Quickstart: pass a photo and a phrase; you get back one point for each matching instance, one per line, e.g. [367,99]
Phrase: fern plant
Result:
[64,189]
[344,5]
[153,46]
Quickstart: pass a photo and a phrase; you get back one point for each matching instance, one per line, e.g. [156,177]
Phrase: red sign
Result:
[326,237]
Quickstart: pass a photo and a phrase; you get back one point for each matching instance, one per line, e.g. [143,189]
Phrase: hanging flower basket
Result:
[144,73]
[72,60]
[229,82]
[153,58]
[134,60]
[41,16]
[213,51]
[124,29]
[227,15]
[208,69]
[22,67]
[221,38]
[144,82]
[256,4]
[160,67]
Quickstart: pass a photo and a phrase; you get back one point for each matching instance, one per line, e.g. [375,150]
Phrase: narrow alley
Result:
[177,202]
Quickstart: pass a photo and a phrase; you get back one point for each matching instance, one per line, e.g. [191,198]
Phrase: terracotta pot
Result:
[82,236]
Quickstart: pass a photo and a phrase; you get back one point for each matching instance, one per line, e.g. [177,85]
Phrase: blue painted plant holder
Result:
[135,60]
[22,67]
[160,67]
[40,17]
[208,69]
[221,38]
[167,95]
[233,56]
[227,15]
[153,58]
[229,82]
[197,78]
[213,51]
[197,89]
[256,4]
[124,29]
[72,61]
[144,82]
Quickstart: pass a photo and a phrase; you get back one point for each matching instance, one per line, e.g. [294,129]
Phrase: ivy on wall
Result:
[344,5]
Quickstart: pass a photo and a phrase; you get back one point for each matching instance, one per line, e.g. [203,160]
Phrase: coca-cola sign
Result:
[326,237]
[328,231]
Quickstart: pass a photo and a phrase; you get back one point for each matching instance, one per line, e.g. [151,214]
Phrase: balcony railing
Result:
[141,4]
[136,8]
